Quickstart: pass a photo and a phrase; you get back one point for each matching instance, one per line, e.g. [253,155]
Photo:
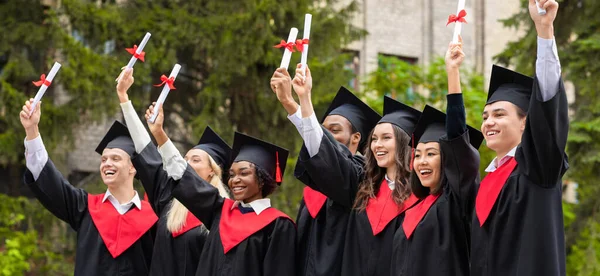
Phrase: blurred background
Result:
[373,47]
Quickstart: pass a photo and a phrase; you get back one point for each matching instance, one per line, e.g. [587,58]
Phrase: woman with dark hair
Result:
[247,236]
[382,185]
[383,195]
[180,236]
[434,237]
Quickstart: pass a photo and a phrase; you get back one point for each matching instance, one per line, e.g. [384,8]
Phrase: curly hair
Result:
[374,174]
[421,191]
[265,180]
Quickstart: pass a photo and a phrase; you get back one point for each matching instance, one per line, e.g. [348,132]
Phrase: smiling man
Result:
[113,236]
[517,226]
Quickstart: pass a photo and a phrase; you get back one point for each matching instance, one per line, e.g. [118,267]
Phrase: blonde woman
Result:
[180,236]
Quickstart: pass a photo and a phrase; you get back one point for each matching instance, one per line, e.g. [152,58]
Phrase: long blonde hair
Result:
[177,214]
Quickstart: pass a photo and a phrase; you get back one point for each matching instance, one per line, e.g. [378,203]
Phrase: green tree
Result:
[578,41]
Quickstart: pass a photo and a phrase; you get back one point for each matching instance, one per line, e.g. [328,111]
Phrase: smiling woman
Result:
[245,233]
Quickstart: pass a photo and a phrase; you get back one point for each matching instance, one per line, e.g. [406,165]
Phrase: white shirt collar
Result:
[258,205]
[492,167]
[123,208]
[390,183]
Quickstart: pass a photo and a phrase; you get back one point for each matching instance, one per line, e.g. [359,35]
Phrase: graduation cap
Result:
[510,86]
[117,137]
[215,146]
[399,114]
[432,126]
[362,117]
[267,156]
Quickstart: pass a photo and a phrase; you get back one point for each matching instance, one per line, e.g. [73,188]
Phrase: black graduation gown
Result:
[271,250]
[321,237]
[174,254]
[524,232]
[363,253]
[439,244]
[71,205]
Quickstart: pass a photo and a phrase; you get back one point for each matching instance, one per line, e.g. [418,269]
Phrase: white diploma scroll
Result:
[164,93]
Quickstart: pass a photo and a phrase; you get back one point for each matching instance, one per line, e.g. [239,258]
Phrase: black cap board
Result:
[267,156]
[510,86]
[432,126]
[362,117]
[399,114]
[117,137]
[215,146]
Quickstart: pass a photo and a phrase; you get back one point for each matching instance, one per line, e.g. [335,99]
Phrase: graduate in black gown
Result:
[180,236]
[321,221]
[247,236]
[517,226]
[377,203]
[435,234]
[113,229]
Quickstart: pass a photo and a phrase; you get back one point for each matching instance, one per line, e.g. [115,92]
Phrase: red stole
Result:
[314,201]
[416,214]
[235,227]
[191,222]
[118,231]
[490,188]
[382,209]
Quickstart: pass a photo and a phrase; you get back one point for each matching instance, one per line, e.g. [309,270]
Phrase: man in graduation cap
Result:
[113,236]
[517,226]
[345,129]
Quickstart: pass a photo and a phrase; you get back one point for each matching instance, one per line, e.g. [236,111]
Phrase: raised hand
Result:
[158,122]
[124,82]
[302,83]
[30,123]
[544,24]
[455,55]
[281,84]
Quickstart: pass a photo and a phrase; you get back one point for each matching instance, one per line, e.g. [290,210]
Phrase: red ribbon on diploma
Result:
[42,81]
[300,44]
[460,18]
[168,81]
[133,51]
[287,45]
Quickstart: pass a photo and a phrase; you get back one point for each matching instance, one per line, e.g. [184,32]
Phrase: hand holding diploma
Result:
[43,83]
[124,83]
[30,118]
[167,84]
[544,24]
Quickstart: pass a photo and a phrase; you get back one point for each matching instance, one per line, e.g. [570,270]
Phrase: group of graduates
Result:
[397,194]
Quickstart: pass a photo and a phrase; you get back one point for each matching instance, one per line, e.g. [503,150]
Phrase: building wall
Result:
[417,29]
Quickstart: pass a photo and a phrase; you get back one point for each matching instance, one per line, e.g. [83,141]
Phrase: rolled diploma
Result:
[164,93]
[304,59]
[287,55]
[541,11]
[139,50]
[458,25]
[43,88]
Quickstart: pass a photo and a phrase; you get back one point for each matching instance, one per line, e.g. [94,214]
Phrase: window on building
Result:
[399,69]
[352,65]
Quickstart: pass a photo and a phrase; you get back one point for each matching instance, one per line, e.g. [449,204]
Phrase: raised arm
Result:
[147,160]
[45,181]
[199,196]
[542,152]
[323,161]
